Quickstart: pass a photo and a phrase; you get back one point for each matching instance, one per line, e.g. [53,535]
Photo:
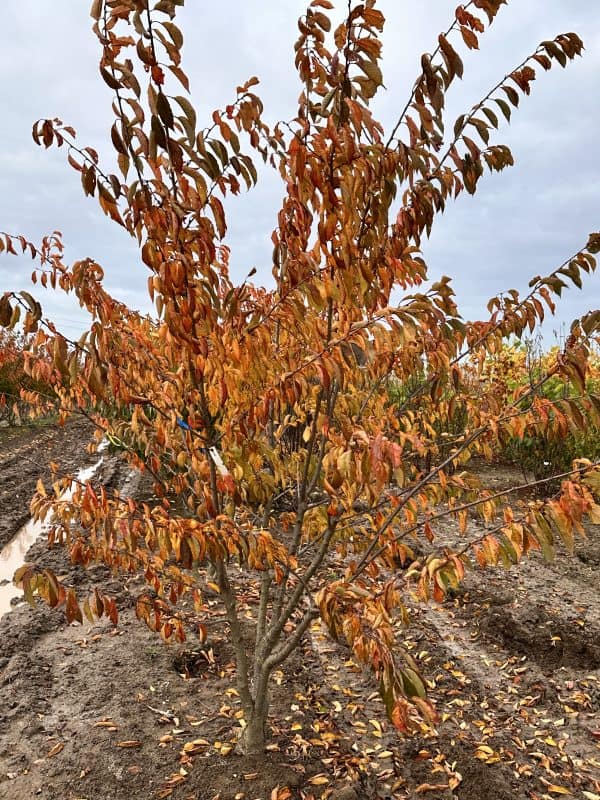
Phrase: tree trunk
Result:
[253,738]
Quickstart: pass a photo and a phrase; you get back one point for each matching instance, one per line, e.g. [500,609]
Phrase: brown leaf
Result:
[55,750]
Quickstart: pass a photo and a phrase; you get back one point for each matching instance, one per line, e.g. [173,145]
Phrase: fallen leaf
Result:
[282,793]
[55,750]
[431,787]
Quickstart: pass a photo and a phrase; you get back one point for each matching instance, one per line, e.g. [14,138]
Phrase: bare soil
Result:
[102,712]
[25,453]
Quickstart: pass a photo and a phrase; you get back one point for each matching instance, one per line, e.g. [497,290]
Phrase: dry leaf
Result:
[431,787]
[55,750]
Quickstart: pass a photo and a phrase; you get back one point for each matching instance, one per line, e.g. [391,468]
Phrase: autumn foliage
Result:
[266,417]
[12,362]
[16,383]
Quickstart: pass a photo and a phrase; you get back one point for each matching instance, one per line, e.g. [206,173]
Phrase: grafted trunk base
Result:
[253,738]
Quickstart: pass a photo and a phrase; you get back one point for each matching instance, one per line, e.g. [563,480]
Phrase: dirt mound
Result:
[548,641]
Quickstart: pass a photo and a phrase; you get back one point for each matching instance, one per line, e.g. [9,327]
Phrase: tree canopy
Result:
[306,436]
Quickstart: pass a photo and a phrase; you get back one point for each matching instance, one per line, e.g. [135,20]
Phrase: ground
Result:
[102,712]
[25,453]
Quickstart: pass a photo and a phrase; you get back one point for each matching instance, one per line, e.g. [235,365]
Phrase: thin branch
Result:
[229,601]
[280,655]
[417,83]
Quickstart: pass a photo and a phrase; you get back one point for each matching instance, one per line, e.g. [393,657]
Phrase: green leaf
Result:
[412,683]
[491,116]
[504,107]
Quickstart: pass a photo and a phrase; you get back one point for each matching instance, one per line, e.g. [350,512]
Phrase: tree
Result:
[14,379]
[266,417]
[11,364]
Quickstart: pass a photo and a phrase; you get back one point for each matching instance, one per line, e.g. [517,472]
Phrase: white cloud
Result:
[522,222]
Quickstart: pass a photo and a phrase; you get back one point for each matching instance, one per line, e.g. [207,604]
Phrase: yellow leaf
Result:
[318,780]
[130,743]
[554,789]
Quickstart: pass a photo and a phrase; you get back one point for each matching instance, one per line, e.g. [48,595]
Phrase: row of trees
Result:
[264,415]
[553,451]
[15,380]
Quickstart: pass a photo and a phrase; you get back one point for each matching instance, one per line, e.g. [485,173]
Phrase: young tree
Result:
[11,364]
[264,415]
[14,378]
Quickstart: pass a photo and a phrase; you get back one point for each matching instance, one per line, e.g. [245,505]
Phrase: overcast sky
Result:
[522,222]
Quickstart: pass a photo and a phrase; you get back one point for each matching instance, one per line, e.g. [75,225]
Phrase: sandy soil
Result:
[99,713]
